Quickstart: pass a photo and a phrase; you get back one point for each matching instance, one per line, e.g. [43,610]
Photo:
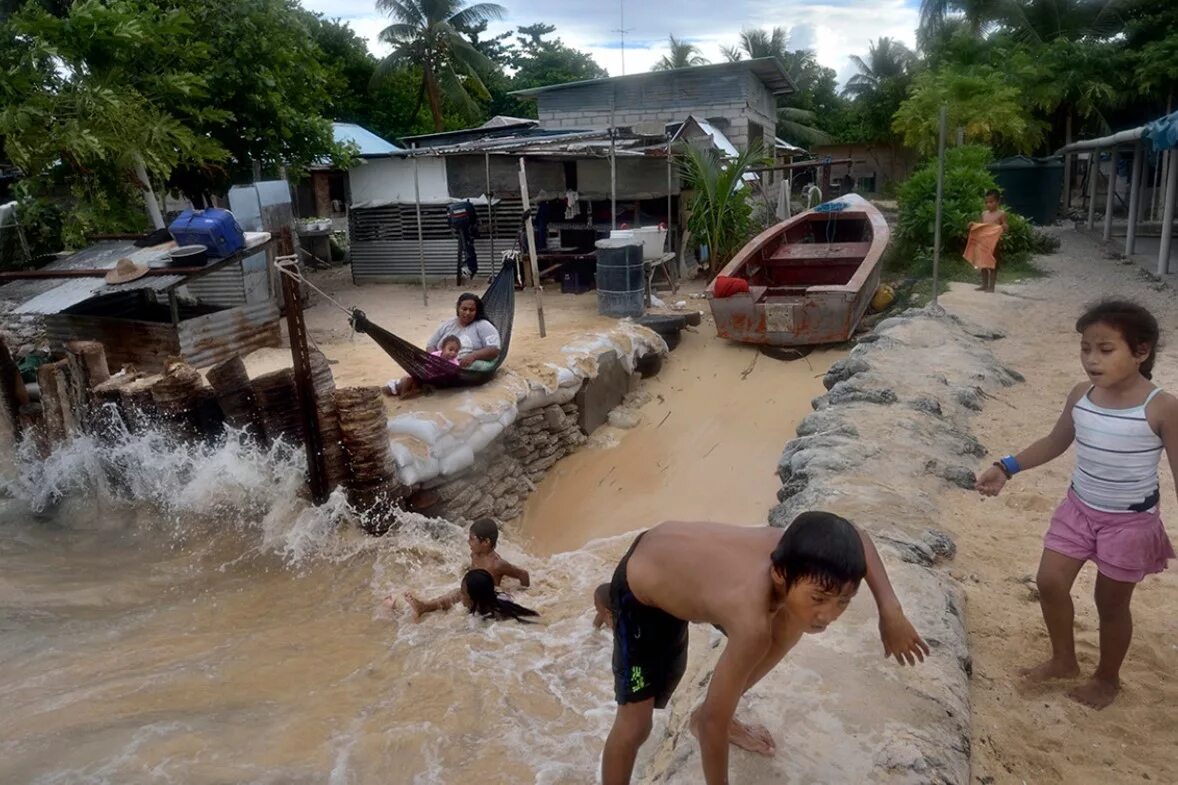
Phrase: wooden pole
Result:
[1109,196]
[420,236]
[1067,164]
[490,210]
[1168,216]
[536,287]
[940,193]
[153,207]
[1135,186]
[305,387]
[1093,174]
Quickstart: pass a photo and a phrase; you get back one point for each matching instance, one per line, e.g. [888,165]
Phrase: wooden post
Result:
[1135,187]
[420,236]
[236,397]
[536,287]
[1110,196]
[305,391]
[1168,216]
[1093,174]
[1067,164]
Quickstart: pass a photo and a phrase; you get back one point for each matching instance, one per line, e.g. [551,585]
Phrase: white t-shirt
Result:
[474,336]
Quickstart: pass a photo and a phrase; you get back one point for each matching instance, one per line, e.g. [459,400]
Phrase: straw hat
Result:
[125,271]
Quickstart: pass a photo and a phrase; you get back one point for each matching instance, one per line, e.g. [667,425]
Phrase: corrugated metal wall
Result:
[385,248]
[225,287]
[207,340]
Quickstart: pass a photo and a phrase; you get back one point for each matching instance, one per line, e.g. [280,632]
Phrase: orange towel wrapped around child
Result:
[982,245]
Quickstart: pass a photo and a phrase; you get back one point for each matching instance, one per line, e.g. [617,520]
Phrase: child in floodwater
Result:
[478,595]
[981,249]
[483,538]
[764,589]
[406,386]
[1121,423]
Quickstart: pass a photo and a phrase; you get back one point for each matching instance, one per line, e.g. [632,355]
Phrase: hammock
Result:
[499,306]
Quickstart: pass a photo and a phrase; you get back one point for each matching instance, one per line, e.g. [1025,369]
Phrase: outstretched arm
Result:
[442,603]
[1047,449]
[509,570]
[740,657]
[900,638]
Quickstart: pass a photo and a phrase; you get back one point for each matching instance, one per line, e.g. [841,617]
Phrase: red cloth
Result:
[726,286]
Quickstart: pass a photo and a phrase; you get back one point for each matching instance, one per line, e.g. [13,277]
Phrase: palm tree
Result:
[720,211]
[426,34]
[683,54]
[976,16]
[759,43]
[886,59]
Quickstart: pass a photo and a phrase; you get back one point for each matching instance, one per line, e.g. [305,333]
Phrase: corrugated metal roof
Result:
[769,70]
[371,145]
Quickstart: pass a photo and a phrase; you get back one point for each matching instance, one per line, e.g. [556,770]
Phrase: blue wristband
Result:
[1010,463]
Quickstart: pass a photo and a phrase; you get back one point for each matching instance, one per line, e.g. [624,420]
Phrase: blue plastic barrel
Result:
[619,278]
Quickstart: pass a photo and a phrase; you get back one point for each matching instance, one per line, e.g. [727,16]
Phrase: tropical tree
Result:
[756,43]
[887,59]
[682,54]
[721,216]
[426,34]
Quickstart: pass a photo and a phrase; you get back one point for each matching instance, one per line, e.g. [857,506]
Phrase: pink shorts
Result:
[1124,546]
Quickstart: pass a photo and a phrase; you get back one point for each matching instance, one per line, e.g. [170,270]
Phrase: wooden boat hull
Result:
[811,278]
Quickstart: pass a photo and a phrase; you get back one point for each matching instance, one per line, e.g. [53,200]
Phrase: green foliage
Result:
[681,54]
[720,214]
[983,101]
[42,221]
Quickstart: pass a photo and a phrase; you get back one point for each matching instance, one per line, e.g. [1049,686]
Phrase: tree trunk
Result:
[435,100]
[1067,164]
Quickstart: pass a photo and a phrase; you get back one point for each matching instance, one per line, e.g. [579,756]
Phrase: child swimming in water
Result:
[483,539]
[407,385]
[1121,423]
[478,595]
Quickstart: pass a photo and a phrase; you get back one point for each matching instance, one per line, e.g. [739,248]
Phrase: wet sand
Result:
[1039,735]
[706,447]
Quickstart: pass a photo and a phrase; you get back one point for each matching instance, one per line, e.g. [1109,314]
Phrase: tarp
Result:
[1163,132]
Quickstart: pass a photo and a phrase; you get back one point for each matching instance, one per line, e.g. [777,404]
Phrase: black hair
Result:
[488,603]
[480,311]
[601,596]
[486,529]
[823,548]
[1135,324]
[994,192]
[448,339]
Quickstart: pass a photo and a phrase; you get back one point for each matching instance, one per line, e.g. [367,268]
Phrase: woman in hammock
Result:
[479,339]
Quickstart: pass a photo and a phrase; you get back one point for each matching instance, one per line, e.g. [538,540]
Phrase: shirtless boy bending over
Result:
[764,588]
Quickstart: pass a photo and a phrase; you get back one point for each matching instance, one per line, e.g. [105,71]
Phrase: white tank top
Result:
[1117,456]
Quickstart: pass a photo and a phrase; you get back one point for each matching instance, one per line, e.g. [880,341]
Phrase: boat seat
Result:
[819,253]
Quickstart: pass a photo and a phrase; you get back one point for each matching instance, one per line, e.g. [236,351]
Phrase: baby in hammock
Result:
[407,385]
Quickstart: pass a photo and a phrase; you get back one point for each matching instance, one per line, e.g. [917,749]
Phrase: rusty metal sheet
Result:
[146,345]
[206,340]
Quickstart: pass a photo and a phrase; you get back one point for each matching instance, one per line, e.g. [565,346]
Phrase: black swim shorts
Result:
[650,645]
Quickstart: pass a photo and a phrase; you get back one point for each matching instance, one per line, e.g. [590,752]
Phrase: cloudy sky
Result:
[834,29]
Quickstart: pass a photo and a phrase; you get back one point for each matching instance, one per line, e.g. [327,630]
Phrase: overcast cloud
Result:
[834,30]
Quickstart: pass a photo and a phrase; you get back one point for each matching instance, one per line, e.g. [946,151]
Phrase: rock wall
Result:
[506,472]
[883,443]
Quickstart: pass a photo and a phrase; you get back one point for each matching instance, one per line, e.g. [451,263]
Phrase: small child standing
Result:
[1121,423]
[981,250]
[483,538]
[407,385]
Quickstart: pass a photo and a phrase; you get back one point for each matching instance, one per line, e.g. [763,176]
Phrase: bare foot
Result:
[1096,693]
[416,605]
[754,738]
[1050,670]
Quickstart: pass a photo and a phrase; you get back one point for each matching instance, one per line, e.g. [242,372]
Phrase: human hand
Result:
[465,362]
[991,482]
[900,639]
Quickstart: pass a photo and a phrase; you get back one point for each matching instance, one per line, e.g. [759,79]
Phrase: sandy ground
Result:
[1040,736]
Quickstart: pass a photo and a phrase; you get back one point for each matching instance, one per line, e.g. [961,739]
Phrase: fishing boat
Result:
[807,280]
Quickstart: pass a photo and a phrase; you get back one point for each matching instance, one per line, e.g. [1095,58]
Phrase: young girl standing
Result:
[1121,423]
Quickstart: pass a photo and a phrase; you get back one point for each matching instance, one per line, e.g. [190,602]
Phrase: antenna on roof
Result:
[621,31]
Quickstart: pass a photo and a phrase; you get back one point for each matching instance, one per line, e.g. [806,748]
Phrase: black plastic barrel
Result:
[619,278]
[1031,186]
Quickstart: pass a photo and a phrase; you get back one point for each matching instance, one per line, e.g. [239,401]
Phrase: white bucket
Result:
[651,238]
